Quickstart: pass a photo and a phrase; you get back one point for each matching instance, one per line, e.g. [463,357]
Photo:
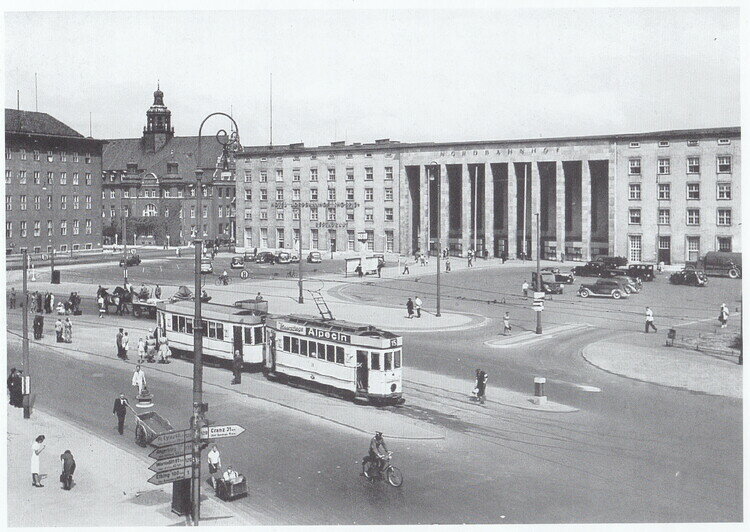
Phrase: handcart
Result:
[148,426]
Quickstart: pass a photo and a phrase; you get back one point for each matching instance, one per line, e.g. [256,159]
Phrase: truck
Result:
[719,263]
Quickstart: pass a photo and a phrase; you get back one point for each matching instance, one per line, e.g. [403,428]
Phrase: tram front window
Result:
[397,359]
[387,361]
[374,360]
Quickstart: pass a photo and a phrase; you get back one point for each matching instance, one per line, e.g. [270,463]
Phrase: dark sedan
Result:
[689,277]
[265,257]
[133,260]
[591,269]
[560,277]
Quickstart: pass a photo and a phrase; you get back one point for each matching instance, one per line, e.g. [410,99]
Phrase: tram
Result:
[349,359]
[226,328]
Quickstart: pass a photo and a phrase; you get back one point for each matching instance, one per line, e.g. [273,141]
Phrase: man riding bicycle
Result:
[377,454]
[224,278]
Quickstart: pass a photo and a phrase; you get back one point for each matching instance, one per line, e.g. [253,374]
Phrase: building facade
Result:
[149,185]
[52,185]
[668,195]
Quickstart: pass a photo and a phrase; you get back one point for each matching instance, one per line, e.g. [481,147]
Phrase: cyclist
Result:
[224,278]
[377,453]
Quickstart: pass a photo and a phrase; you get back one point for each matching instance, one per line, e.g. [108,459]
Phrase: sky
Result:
[414,75]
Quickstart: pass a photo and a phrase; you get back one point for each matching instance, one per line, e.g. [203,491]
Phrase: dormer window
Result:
[172,168]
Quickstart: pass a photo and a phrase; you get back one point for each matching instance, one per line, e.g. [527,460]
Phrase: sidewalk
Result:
[110,484]
[646,358]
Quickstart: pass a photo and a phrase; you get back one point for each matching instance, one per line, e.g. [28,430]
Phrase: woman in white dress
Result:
[36,449]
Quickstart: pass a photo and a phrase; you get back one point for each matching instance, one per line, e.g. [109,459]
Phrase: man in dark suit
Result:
[120,409]
[237,367]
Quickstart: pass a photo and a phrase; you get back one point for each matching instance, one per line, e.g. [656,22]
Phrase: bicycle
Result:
[220,280]
[391,473]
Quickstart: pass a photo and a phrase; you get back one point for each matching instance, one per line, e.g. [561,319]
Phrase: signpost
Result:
[538,301]
[177,462]
[171,476]
[171,438]
[221,431]
[171,451]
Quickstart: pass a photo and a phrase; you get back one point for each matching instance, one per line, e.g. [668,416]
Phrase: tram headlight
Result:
[393,387]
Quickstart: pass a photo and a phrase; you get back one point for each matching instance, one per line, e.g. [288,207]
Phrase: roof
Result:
[117,153]
[214,311]
[34,123]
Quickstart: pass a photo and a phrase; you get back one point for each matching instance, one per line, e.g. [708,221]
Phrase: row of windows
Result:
[167,192]
[664,191]
[664,243]
[50,178]
[23,202]
[313,174]
[723,216]
[691,143]
[152,210]
[315,239]
[215,329]
[63,247]
[49,157]
[37,228]
[330,215]
[335,353]
[693,166]
[331,196]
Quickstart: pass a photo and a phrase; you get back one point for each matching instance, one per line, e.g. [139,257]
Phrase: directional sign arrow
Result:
[177,462]
[221,431]
[171,451]
[170,438]
[171,476]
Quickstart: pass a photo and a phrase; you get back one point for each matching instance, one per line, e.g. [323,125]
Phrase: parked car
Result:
[249,256]
[633,283]
[548,284]
[614,262]
[560,277]
[283,257]
[207,266]
[644,272]
[237,262]
[133,260]
[590,269]
[265,257]
[603,288]
[689,277]
[294,258]
[314,256]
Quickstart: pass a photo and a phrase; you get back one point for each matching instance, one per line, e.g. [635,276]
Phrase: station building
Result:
[52,186]
[661,196]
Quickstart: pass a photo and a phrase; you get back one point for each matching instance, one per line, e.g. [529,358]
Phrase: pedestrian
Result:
[38,326]
[157,292]
[58,330]
[164,352]
[100,303]
[118,341]
[12,298]
[214,465]
[418,306]
[447,265]
[36,449]
[68,468]
[481,385]
[649,319]
[358,270]
[39,304]
[506,324]
[723,315]
[141,350]
[381,263]
[15,390]
[47,300]
[525,288]
[51,302]
[409,308]
[237,367]
[125,344]
[468,259]
[150,348]
[68,331]
[406,268]
[562,257]
[139,379]
[119,410]
[258,298]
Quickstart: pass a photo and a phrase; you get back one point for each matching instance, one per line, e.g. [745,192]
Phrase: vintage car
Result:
[560,277]
[294,258]
[591,269]
[548,284]
[644,272]
[314,256]
[283,257]
[603,288]
[133,260]
[265,257]
[248,256]
[689,277]
[207,266]
[631,284]
[238,262]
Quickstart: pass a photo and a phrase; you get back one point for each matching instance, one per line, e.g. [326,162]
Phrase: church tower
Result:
[158,130]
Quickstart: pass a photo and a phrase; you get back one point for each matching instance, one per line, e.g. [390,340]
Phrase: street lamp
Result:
[438,235]
[229,143]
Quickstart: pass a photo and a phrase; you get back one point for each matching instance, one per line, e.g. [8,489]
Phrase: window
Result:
[36,155]
[349,194]
[280,237]
[248,176]
[76,199]
[23,229]
[693,216]
[374,360]
[263,176]
[725,243]
[634,247]
[330,352]
[634,216]
[192,211]
[635,144]
[263,194]
[368,194]
[313,174]
[723,142]
[349,215]
[313,194]
[389,172]
[664,144]
[22,177]
[37,228]
[723,191]
[693,248]
[37,203]
[88,227]
[295,174]
[63,178]
[664,191]
[368,173]
[205,211]
[8,155]
[149,210]
[88,202]
[279,174]
[350,174]
[8,230]
[88,179]
[331,194]
[693,165]
[49,202]
[87,158]
[693,191]
[331,214]
[279,194]
[8,203]
[75,178]
[314,238]
[75,156]
[388,194]
[664,216]
[692,143]
[75,227]
[663,166]
[634,166]
[724,164]
[248,195]
[112,193]
[50,178]
[219,212]
[23,202]
[724,217]
[368,215]
[112,212]
[314,214]
[331,174]
[263,214]
[389,214]
[350,240]
[635,191]
[63,227]
[321,350]
[63,202]
[295,214]
[37,178]
[248,214]
[279,214]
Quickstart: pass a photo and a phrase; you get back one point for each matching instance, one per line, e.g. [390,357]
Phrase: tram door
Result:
[362,371]
[237,340]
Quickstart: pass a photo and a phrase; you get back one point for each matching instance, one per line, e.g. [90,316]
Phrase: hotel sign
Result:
[316,204]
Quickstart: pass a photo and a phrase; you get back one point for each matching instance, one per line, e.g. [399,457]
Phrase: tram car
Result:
[226,328]
[357,362]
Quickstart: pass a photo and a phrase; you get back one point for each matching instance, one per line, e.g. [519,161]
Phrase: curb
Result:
[530,337]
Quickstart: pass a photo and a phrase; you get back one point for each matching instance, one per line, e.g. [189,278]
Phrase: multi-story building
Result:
[151,181]
[52,185]
[667,195]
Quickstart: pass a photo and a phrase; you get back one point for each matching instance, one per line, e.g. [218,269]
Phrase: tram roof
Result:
[347,327]
[216,311]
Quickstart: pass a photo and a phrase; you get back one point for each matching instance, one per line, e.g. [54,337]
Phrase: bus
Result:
[357,362]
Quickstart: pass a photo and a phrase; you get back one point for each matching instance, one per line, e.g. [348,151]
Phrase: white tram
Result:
[356,361]
[226,328]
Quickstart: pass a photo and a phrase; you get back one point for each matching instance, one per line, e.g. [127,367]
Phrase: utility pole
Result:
[299,280]
[538,283]
[439,245]
[197,420]
[27,372]
[124,241]
[476,170]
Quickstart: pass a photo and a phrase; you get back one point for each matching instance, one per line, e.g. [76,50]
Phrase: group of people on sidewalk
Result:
[67,462]
[155,345]
[64,331]
[412,306]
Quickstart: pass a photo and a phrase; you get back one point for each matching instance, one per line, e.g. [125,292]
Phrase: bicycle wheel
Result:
[394,476]
[229,280]
[369,467]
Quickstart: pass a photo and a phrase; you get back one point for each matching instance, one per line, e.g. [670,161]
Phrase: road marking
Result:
[529,337]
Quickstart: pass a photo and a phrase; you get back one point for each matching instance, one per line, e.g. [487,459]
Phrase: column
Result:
[467,200]
[403,228]
[489,210]
[512,210]
[586,210]
[444,213]
[424,215]
[612,208]
[560,207]
[536,206]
